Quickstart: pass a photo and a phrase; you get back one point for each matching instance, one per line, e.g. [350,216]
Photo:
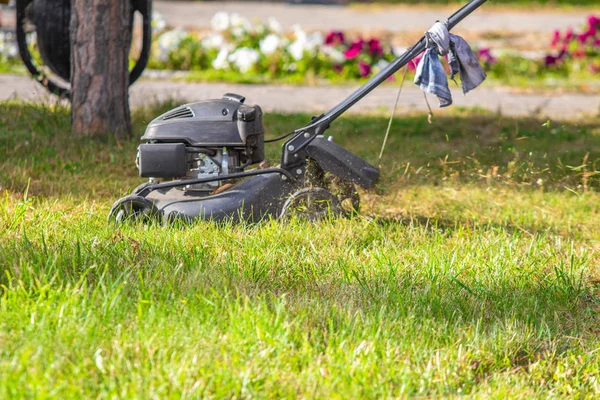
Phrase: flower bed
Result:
[237,45]
[237,48]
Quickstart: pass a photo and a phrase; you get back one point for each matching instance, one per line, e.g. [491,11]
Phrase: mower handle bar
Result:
[307,133]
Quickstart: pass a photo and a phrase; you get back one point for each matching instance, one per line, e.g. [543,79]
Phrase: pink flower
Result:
[354,49]
[412,66]
[364,69]
[569,35]
[352,53]
[375,47]
[485,55]
[563,48]
[555,38]
[590,33]
[593,20]
[334,38]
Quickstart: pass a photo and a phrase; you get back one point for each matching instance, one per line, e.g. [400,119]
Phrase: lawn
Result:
[472,270]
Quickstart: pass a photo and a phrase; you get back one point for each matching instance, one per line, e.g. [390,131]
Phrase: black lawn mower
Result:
[197,157]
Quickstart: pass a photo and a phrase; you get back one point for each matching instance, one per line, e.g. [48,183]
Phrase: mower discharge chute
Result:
[196,158]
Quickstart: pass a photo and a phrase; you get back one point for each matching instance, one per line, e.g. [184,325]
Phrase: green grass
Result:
[473,270]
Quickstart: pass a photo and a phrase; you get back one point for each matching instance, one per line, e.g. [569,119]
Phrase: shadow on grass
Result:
[37,149]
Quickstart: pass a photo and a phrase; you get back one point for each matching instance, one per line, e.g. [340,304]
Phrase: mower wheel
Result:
[133,209]
[312,204]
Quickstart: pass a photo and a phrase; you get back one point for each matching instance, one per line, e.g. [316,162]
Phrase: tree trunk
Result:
[100,41]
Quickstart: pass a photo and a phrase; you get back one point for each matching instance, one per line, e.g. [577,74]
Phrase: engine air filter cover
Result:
[209,123]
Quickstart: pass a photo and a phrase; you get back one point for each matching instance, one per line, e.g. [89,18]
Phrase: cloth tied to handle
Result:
[430,75]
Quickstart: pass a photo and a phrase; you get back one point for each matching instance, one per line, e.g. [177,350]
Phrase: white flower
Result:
[381,64]
[169,41]
[239,25]
[213,41]
[304,43]
[260,29]
[244,58]
[274,25]
[334,54]
[314,40]
[220,62]
[13,50]
[8,45]
[296,49]
[299,32]
[237,20]
[237,31]
[32,39]
[270,44]
[220,21]
[159,23]
[399,50]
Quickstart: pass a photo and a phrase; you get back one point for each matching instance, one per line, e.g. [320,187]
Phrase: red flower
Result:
[364,69]
[375,47]
[354,49]
[551,60]
[335,38]
[554,60]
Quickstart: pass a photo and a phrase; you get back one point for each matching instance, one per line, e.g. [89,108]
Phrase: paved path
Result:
[397,19]
[319,99]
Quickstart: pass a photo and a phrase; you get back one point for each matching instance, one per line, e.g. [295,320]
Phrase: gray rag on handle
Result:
[430,75]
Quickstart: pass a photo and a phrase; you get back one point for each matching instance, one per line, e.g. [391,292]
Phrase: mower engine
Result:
[202,140]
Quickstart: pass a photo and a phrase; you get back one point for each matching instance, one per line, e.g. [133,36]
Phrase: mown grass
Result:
[473,271]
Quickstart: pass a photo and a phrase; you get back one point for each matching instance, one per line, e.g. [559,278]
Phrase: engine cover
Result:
[226,122]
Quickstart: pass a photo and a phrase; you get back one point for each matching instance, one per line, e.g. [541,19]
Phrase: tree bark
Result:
[100,41]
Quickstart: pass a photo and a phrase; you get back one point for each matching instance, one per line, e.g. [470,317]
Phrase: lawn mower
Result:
[197,157]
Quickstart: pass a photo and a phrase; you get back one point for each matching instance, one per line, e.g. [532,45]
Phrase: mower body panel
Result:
[251,200]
